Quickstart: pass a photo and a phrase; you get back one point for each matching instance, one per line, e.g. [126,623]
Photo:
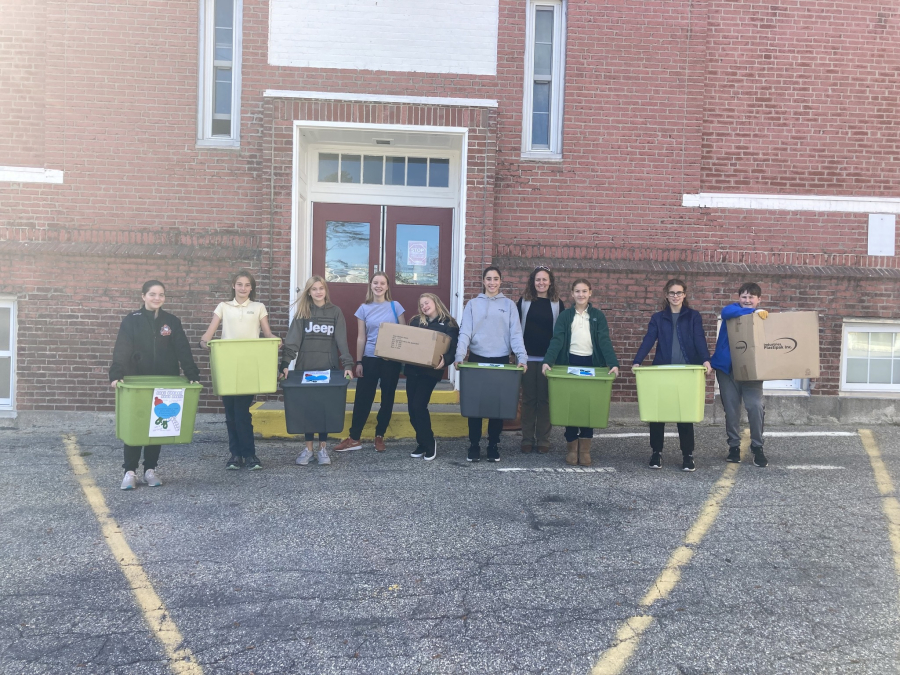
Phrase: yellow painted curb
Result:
[437,397]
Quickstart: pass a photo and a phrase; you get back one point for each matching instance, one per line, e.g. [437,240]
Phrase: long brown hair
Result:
[370,296]
[305,301]
[443,314]
[530,290]
[249,275]
[669,284]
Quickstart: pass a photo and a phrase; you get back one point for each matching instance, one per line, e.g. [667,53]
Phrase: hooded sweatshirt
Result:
[491,327]
[315,341]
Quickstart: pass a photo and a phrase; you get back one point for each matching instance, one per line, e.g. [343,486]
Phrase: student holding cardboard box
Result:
[734,392]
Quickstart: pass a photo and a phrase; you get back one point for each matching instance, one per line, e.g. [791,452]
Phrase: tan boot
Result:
[584,451]
[572,452]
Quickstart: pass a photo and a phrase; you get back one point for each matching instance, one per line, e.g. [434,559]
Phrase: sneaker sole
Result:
[232,468]
[355,447]
[686,469]
[416,455]
[325,463]
[469,459]
[654,466]
[128,487]
[254,468]
[306,463]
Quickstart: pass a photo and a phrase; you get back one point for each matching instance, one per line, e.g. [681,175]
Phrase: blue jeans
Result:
[240,425]
[573,433]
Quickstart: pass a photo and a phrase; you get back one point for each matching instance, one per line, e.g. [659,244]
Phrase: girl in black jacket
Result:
[420,380]
[150,342]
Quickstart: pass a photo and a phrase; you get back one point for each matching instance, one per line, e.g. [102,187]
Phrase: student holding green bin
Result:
[581,338]
[677,331]
[150,342]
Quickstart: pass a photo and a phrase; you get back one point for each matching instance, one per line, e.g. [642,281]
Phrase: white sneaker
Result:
[304,457]
[129,482]
[323,456]
[151,479]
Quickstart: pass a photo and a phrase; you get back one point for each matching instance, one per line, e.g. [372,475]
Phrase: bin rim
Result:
[231,341]
[335,382]
[560,373]
[495,366]
[147,380]
[674,366]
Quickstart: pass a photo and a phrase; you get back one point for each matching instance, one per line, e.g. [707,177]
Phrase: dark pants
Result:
[579,432]
[133,456]
[323,436]
[495,427]
[374,369]
[685,437]
[418,393]
[240,425]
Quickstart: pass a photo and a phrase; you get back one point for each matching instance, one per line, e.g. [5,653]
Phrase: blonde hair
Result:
[370,296]
[305,301]
[443,314]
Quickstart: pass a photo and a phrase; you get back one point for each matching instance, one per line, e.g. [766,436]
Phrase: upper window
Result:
[384,170]
[7,353]
[220,73]
[870,357]
[544,69]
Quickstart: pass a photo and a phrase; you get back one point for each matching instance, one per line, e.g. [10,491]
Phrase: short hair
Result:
[751,288]
[582,280]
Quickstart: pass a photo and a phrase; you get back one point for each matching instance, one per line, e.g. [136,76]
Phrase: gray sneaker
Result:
[151,479]
[129,482]
[304,457]
[323,457]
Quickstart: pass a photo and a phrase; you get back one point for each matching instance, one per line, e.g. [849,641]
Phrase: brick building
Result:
[627,142]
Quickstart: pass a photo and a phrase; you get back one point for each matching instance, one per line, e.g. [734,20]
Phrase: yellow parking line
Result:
[181,659]
[889,503]
[614,659]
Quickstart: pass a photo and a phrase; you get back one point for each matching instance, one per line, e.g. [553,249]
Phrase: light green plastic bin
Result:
[135,410]
[671,393]
[579,400]
[242,367]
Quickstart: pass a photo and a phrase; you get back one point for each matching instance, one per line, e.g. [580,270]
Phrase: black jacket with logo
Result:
[152,346]
[442,327]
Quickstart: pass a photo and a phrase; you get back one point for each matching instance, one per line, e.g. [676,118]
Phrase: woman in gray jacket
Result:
[317,333]
[489,331]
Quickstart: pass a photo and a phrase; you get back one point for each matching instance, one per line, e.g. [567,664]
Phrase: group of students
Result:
[538,330]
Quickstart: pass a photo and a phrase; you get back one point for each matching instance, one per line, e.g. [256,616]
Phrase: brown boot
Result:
[584,451]
[572,452]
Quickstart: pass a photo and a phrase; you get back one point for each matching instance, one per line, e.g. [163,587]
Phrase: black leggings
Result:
[323,436]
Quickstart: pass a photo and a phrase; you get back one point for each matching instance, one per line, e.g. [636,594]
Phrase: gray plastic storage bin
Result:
[314,407]
[490,391]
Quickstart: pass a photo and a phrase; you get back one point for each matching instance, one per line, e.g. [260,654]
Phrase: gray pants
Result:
[732,392]
[535,407]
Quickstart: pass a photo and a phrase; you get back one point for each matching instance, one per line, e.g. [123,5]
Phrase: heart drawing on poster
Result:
[167,411]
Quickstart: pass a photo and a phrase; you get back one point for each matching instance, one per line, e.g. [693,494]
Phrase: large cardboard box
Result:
[783,347]
[409,344]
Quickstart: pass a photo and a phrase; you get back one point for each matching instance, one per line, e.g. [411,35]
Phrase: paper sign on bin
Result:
[167,407]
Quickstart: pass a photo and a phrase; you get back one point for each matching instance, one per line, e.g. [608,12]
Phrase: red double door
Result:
[412,245]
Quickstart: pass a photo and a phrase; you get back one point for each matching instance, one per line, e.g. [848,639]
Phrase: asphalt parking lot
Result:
[386,564]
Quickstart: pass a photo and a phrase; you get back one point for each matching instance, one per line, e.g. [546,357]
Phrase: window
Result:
[379,170]
[544,70]
[7,354]
[870,357]
[219,95]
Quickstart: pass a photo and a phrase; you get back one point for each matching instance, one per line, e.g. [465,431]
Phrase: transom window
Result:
[870,358]
[431,172]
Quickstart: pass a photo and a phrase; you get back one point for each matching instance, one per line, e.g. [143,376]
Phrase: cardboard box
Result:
[409,344]
[783,347]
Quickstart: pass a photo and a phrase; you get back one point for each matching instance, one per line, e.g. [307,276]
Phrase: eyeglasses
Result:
[675,294]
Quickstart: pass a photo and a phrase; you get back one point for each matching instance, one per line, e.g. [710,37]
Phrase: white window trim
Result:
[205,87]
[10,403]
[865,326]
[557,76]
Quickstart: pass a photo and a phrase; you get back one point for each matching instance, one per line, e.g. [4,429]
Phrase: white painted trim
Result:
[802,434]
[557,79]
[205,80]
[12,304]
[822,203]
[381,98]
[868,327]
[812,467]
[29,174]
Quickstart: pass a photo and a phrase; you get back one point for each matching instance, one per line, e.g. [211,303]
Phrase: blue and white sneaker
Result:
[151,479]
[129,482]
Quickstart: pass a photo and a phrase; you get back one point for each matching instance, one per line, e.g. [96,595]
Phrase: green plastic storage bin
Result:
[579,400]
[671,393]
[242,367]
[489,390]
[136,410]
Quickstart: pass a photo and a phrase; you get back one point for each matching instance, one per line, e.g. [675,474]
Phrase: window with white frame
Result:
[870,357]
[545,38]
[219,95]
[7,353]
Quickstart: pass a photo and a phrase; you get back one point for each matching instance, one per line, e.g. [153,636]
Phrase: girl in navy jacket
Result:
[677,332]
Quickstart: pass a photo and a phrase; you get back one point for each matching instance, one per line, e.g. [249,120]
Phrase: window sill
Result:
[220,144]
[870,394]
[8,414]
[542,156]
[786,392]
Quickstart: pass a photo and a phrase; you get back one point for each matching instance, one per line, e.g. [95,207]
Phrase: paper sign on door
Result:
[165,412]
[416,253]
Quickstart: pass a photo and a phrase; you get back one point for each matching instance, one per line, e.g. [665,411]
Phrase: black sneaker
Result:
[687,463]
[655,461]
[418,452]
[734,455]
[431,452]
[759,458]
[493,453]
[234,463]
[474,453]
[253,463]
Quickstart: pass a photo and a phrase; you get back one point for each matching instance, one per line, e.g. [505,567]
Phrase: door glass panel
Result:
[439,176]
[5,321]
[418,251]
[328,167]
[373,170]
[347,252]
[395,171]
[417,171]
[351,168]
[5,365]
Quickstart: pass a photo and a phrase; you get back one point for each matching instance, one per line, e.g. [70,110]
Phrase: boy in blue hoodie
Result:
[732,391]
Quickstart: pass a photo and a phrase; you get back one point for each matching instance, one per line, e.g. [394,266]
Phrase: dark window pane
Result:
[543,25]
[395,171]
[221,127]
[224,25]
[417,171]
[328,168]
[540,130]
[223,91]
[5,379]
[439,173]
[373,170]
[350,168]
[5,323]
[541,101]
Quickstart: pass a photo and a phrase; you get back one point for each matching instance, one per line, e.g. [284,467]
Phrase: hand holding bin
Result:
[243,367]
[314,401]
[579,400]
[671,393]
[489,390]
[156,410]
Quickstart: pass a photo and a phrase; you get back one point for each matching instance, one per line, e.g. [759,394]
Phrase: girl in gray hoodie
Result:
[317,333]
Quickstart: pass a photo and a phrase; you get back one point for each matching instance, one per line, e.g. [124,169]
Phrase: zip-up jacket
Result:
[148,345]
[491,327]
[691,338]
[558,351]
[721,360]
[315,341]
[441,327]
